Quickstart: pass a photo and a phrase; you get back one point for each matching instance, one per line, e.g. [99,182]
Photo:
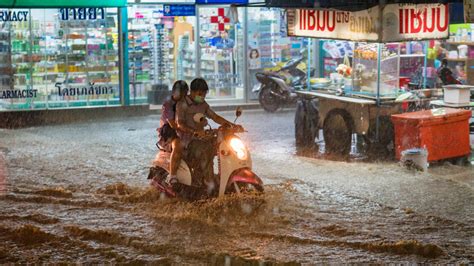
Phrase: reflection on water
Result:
[88,201]
[285,225]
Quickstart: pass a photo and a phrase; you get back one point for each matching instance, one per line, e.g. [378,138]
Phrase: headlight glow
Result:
[239,148]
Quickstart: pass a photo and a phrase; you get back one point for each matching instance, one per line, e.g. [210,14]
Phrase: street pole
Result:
[197,45]
[246,73]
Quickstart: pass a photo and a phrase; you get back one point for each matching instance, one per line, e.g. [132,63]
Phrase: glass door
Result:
[221,44]
[161,51]
[269,47]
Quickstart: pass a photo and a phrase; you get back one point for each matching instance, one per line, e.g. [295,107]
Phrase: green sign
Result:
[61,3]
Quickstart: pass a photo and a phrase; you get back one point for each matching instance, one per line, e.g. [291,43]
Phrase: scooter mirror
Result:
[238,111]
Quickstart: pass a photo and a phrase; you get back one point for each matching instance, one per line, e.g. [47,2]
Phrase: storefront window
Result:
[407,68]
[268,45]
[58,58]
[161,51]
[221,42]
[458,51]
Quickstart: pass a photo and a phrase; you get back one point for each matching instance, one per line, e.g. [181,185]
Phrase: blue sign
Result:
[179,10]
[222,1]
[83,13]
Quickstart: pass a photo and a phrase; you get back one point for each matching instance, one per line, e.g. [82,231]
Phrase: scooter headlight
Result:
[239,148]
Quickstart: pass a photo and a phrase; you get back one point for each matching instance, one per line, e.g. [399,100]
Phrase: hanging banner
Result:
[469,11]
[403,22]
[335,24]
[400,22]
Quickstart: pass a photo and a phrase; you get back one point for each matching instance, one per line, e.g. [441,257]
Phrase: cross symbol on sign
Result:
[220,19]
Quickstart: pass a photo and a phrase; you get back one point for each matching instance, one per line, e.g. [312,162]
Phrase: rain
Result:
[87,200]
[236,132]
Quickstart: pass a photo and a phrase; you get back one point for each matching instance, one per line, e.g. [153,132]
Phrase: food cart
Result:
[363,101]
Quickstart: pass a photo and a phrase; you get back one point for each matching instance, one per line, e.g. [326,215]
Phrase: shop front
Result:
[169,41]
[57,56]
[166,44]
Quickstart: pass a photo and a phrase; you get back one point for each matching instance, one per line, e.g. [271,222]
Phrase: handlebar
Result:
[211,133]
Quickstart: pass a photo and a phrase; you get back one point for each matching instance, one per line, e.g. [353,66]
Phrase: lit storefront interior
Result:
[59,58]
[163,49]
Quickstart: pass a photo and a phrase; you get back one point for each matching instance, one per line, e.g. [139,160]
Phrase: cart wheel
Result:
[312,120]
[306,123]
[337,131]
[300,118]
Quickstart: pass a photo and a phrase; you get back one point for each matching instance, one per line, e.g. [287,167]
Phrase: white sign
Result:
[415,22]
[335,24]
[400,22]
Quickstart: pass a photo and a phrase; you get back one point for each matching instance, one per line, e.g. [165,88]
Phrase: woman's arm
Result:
[181,118]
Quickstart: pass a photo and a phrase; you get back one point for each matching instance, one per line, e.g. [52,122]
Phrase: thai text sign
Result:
[415,22]
[83,13]
[334,24]
[394,22]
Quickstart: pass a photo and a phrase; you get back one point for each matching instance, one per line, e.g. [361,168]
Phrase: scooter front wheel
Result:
[268,98]
[242,187]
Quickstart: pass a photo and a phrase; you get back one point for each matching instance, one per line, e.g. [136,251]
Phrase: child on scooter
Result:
[167,131]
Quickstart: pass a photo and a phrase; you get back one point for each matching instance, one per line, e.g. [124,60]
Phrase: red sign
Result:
[220,19]
[423,20]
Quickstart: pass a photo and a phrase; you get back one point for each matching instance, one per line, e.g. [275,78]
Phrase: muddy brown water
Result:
[78,193]
[132,224]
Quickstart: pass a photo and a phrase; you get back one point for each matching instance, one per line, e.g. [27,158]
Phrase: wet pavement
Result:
[78,193]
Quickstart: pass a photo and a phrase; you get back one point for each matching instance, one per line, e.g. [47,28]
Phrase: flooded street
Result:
[79,193]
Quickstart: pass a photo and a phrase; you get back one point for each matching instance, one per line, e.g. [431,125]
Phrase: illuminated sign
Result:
[400,22]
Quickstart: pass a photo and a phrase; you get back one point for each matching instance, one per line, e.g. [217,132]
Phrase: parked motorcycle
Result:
[234,163]
[277,86]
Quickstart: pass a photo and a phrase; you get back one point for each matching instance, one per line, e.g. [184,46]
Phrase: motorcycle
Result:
[234,163]
[277,85]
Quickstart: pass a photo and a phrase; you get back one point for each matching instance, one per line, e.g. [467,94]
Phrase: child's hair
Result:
[199,84]
[180,86]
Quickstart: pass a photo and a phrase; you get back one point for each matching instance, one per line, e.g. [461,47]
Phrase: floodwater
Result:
[78,193]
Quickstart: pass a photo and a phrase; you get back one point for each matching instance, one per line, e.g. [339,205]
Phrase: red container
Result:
[443,132]
[403,82]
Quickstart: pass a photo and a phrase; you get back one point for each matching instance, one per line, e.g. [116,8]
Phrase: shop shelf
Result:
[457,59]
[460,43]
[411,55]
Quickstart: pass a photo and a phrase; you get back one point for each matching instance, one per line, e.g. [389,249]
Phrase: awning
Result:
[61,3]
